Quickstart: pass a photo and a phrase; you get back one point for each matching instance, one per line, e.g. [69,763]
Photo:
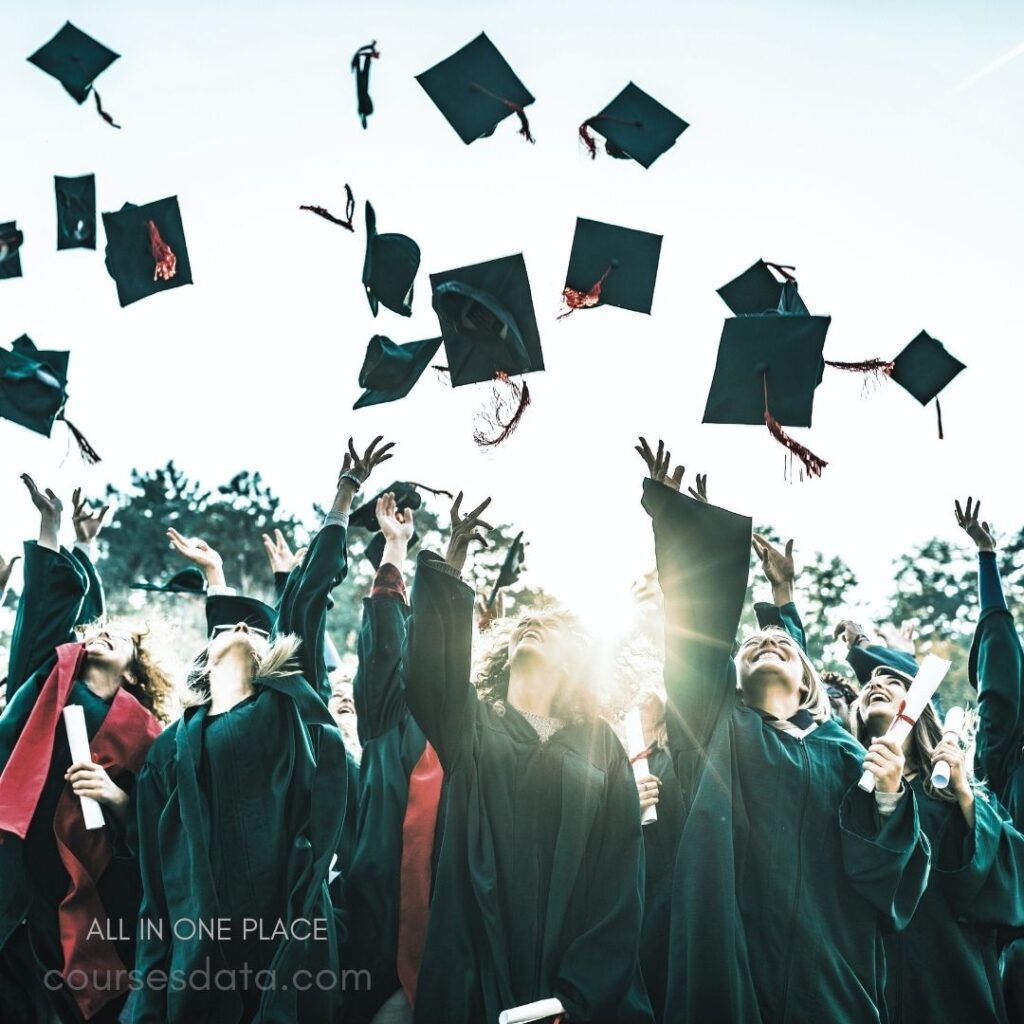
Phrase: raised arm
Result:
[437,660]
[88,523]
[780,571]
[282,561]
[304,603]
[377,686]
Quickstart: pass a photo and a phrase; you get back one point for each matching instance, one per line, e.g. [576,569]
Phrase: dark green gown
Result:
[786,876]
[240,815]
[537,891]
[61,591]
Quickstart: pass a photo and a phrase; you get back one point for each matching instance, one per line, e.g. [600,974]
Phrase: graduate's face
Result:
[770,652]
[880,700]
[546,638]
[235,640]
[110,650]
[342,704]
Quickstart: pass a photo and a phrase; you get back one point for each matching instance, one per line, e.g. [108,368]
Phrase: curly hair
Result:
[154,689]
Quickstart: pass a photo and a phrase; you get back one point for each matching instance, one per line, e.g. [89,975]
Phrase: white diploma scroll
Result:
[951,728]
[78,741]
[931,673]
[635,745]
[540,1010]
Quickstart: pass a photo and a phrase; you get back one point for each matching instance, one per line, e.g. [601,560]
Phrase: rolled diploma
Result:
[635,744]
[931,673]
[78,742]
[953,726]
[539,1010]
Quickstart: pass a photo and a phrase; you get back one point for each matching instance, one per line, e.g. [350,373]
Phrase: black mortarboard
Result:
[146,250]
[390,371]
[487,320]
[758,290]
[476,90]
[229,609]
[76,61]
[76,212]
[389,268]
[511,567]
[10,249]
[924,368]
[611,266]
[635,126]
[33,385]
[361,66]
[365,517]
[188,581]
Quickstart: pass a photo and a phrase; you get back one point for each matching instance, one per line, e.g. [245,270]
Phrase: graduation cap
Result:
[361,68]
[76,211]
[365,517]
[924,368]
[350,210]
[10,249]
[768,367]
[389,268]
[230,609]
[510,568]
[635,126]
[611,266]
[146,250]
[865,660]
[76,61]
[33,390]
[490,334]
[390,371]
[476,90]
[758,290]
[188,581]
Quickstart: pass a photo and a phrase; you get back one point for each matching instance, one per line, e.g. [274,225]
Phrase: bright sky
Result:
[841,138]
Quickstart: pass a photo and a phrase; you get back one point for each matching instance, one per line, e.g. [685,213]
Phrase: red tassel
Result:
[519,395]
[583,300]
[812,463]
[588,139]
[516,108]
[166,265]
[89,454]
[99,109]
[878,367]
[350,210]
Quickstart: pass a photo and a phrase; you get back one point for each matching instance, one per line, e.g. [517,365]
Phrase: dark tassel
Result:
[812,463]
[516,108]
[166,265]
[443,373]
[938,411]
[583,300]
[431,490]
[350,210]
[783,268]
[361,67]
[588,140]
[875,371]
[99,109]
[89,454]
[520,396]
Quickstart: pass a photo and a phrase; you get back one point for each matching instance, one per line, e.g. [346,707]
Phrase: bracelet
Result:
[352,479]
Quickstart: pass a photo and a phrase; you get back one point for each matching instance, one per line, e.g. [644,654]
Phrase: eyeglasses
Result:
[841,692]
[229,627]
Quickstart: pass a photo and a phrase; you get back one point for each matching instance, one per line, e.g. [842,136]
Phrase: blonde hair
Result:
[815,697]
[277,661]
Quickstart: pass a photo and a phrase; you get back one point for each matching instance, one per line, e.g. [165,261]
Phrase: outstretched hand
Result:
[978,530]
[902,639]
[658,465]
[5,573]
[464,530]
[279,554]
[199,553]
[87,523]
[850,632]
[395,524]
[50,508]
[778,567]
[361,466]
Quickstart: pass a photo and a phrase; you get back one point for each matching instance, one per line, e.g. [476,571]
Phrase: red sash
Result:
[120,746]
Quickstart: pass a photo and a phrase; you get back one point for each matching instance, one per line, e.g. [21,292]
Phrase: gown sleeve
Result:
[94,608]
[437,659]
[785,616]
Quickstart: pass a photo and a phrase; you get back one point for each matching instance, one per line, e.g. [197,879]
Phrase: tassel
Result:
[99,110]
[588,140]
[812,463]
[784,269]
[350,210]
[519,395]
[443,373]
[361,67]
[875,371]
[166,262]
[431,490]
[89,454]
[938,410]
[516,108]
[583,300]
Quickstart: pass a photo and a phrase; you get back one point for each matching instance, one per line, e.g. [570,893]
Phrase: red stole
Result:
[120,746]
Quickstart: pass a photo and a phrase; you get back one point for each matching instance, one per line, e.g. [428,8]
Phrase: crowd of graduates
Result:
[466,827]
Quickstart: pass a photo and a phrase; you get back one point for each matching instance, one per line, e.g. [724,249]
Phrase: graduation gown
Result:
[240,815]
[786,876]
[57,876]
[537,891]
[945,964]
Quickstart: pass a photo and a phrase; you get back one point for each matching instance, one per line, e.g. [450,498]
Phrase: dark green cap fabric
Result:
[924,367]
[10,249]
[756,290]
[389,268]
[623,260]
[33,385]
[188,581]
[74,59]
[475,89]
[487,320]
[365,517]
[76,212]
[637,126]
[390,371]
[230,609]
[513,564]
[130,258]
[782,352]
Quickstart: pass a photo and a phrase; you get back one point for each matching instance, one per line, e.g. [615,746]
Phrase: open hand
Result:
[5,572]
[464,530]
[395,524]
[47,503]
[361,466]
[658,465]
[778,567]
[196,551]
[87,523]
[978,531]
[279,554]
